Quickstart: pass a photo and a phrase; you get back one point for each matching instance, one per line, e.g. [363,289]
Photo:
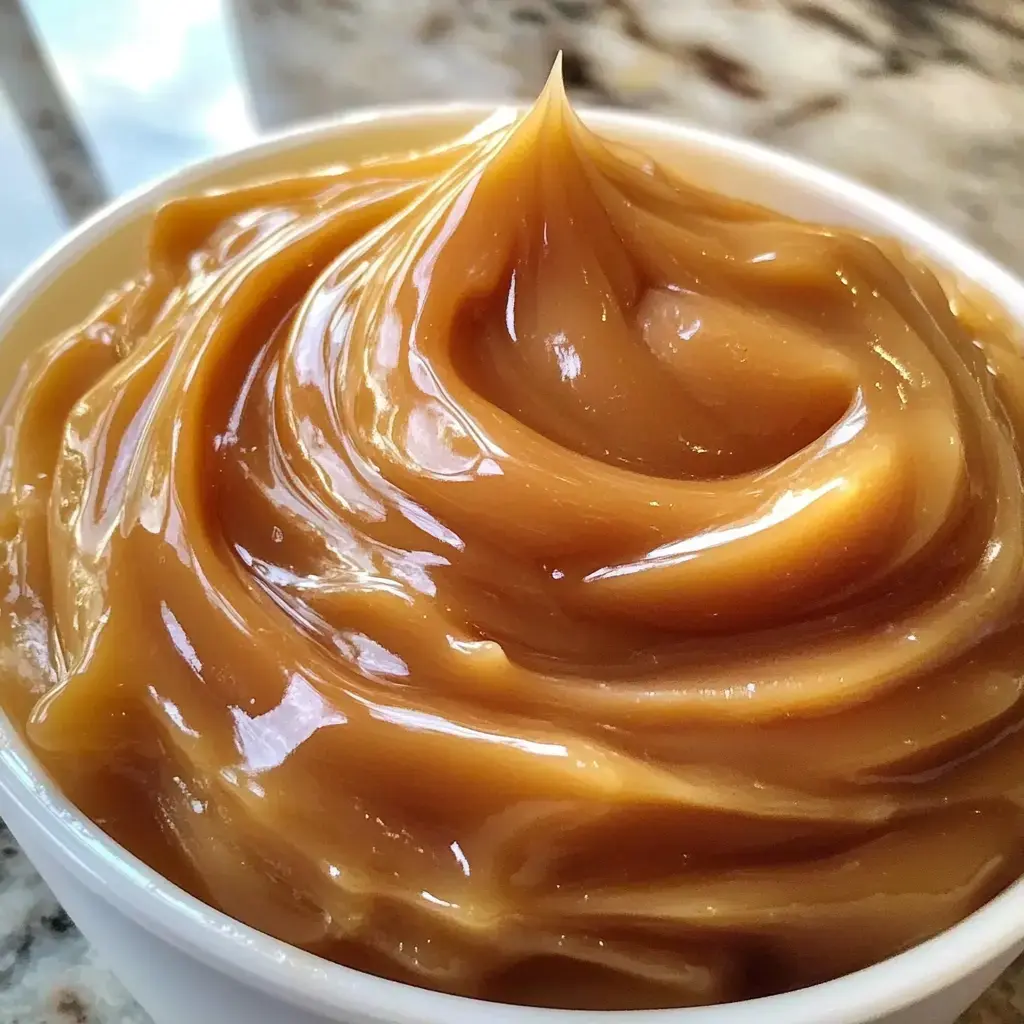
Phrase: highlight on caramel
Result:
[514,570]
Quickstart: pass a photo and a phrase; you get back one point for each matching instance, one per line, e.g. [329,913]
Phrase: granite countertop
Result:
[921,98]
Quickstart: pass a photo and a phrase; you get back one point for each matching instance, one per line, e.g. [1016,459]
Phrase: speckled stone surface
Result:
[921,98]
[48,972]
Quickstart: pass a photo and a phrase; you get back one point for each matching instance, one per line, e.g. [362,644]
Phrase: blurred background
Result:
[921,98]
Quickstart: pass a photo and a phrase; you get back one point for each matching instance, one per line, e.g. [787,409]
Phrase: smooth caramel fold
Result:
[515,570]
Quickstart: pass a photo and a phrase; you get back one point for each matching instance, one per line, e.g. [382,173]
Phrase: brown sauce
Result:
[514,570]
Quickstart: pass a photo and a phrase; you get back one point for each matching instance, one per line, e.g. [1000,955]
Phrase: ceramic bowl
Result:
[186,962]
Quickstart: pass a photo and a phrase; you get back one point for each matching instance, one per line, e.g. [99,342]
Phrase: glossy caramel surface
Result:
[514,570]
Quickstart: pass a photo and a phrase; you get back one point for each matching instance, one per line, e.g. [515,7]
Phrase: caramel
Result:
[514,570]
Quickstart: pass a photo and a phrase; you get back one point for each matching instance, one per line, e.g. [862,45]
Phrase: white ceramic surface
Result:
[185,962]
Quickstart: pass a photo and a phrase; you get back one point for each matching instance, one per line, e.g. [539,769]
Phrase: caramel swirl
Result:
[512,569]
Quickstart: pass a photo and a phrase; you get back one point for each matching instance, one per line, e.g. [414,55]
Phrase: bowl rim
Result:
[310,982]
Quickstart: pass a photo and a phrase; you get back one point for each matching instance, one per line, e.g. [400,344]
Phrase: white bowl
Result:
[185,962]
